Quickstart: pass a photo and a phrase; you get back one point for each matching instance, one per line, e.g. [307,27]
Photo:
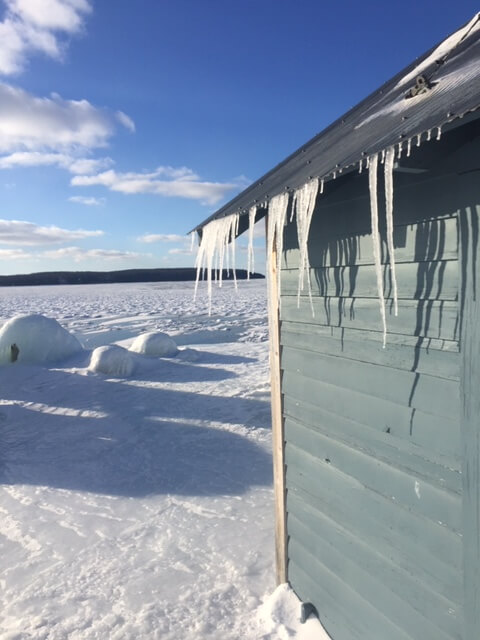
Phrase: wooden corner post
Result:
[277,413]
[469,221]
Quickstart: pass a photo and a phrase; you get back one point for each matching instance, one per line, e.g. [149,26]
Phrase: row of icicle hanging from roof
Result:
[219,235]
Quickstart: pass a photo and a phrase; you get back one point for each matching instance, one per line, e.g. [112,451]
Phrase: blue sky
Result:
[123,124]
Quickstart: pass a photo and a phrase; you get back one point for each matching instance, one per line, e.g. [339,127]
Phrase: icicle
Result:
[367,163]
[334,175]
[400,149]
[277,213]
[383,156]
[192,242]
[372,183]
[360,166]
[251,258]
[304,201]
[233,233]
[322,184]
[389,162]
[439,132]
[429,135]
[215,239]
[419,139]
[409,147]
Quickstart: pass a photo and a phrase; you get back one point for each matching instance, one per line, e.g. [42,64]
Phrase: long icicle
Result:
[304,201]
[372,183]
[389,162]
[252,212]
[216,237]
[277,214]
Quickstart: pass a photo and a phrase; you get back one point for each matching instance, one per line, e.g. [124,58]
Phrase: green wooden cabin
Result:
[377,449]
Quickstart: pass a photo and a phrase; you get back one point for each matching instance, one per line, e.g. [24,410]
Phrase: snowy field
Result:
[140,506]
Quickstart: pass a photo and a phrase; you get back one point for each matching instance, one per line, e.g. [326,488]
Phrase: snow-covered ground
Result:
[140,507]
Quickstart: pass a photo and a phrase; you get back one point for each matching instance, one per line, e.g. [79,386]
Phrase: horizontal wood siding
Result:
[372,439]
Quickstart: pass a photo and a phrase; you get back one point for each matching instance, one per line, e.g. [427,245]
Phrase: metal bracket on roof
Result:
[422,85]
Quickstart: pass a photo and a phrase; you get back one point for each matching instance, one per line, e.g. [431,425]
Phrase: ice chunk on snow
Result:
[216,237]
[155,343]
[279,618]
[304,203]
[389,162]
[112,360]
[36,339]
[372,183]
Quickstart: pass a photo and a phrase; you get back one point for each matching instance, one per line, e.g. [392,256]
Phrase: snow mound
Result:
[154,343]
[279,617]
[36,339]
[112,360]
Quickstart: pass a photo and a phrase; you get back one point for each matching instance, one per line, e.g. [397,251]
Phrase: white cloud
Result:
[78,254]
[64,161]
[31,26]
[89,201]
[150,238]
[20,232]
[14,254]
[165,181]
[31,123]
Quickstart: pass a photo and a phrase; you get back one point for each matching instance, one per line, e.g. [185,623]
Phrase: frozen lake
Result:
[140,507]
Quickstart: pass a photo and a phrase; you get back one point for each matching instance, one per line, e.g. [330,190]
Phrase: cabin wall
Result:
[374,444]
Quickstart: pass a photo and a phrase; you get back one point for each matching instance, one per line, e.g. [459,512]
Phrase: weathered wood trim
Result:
[470,411]
[277,418]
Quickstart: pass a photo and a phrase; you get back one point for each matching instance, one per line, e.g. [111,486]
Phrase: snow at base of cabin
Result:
[140,507]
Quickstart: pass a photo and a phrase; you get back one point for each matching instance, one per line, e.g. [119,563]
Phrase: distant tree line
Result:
[104,277]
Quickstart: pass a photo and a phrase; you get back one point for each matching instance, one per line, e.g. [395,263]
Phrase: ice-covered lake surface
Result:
[141,507]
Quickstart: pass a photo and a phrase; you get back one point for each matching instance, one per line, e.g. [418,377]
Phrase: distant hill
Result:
[102,277]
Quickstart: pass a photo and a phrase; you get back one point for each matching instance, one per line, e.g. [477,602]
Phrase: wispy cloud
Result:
[14,254]
[20,232]
[77,254]
[37,26]
[29,123]
[89,201]
[64,161]
[184,251]
[127,122]
[150,238]
[164,181]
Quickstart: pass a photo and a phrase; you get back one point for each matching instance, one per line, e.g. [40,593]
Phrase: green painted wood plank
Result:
[383,536]
[437,549]
[427,393]
[423,241]
[342,611]
[305,446]
[439,434]
[423,355]
[415,281]
[427,318]
[405,456]
[378,584]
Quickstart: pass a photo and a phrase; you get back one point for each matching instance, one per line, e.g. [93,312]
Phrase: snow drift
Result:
[112,360]
[36,339]
[154,343]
